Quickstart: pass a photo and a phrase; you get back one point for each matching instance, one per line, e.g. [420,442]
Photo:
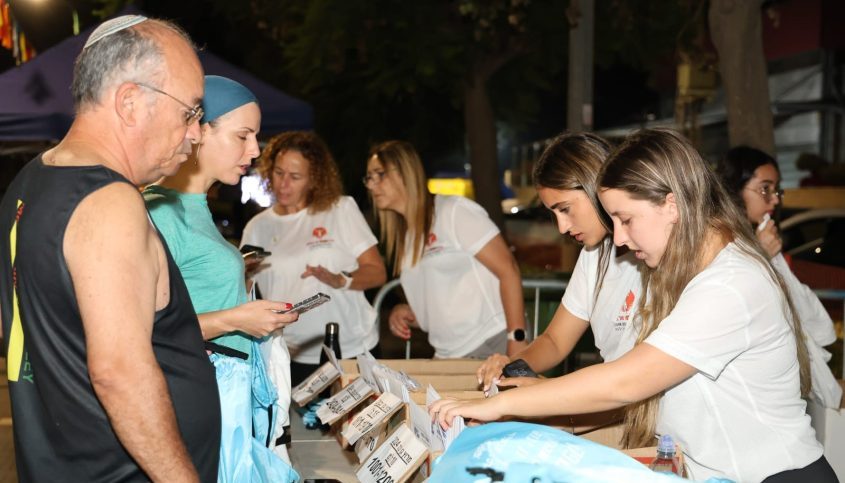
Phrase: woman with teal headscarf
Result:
[213,270]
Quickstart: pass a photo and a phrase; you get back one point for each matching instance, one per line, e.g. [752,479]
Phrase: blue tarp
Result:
[36,104]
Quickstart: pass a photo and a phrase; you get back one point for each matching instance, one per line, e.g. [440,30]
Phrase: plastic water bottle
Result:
[666,461]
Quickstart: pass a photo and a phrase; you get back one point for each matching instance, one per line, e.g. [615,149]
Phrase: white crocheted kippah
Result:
[111,26]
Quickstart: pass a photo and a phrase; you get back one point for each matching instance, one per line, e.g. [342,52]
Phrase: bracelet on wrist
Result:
[347,280]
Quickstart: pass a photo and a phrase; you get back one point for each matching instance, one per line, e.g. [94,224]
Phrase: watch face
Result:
[518,335]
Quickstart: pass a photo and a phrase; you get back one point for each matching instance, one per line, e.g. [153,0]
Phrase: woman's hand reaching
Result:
[443,411]
[333,280]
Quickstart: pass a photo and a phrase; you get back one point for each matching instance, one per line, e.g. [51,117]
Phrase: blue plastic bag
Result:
[522,453]
[243,459]
[265,406]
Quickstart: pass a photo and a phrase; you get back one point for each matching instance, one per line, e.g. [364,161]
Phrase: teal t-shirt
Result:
[213,268]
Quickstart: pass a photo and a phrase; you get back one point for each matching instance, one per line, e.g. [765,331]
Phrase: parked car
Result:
[816,236]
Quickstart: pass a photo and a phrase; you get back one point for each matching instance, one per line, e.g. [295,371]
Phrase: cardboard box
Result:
[603,427]
[610,435]
[401,416]
[448,382]
[441,382]
[421,366]
[647,455]
[419,397]
[830,431]
[341,424]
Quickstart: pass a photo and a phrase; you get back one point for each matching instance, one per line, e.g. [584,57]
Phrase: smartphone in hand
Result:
[518,368]
[253,252]
[307,304]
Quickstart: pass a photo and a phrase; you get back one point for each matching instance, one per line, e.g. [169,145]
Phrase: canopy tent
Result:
[36,104]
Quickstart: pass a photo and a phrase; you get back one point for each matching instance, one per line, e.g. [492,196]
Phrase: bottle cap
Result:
[332,328]
[666,444]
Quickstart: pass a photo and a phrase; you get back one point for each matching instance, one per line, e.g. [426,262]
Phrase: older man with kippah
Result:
[108,375]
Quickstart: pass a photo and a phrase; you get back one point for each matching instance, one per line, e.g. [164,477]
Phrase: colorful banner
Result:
[12,37]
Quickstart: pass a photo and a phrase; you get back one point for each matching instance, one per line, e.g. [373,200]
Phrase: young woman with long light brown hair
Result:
[721,364]
[604,286]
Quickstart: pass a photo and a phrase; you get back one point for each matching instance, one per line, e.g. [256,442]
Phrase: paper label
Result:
[371,417]
[442,438]
[366,362]
[395,459]
[420,423]
[393,381]
[321,379]
[332,358]
[370,441]
[344,401]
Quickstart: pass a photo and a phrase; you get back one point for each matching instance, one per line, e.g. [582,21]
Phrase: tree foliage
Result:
[385,69]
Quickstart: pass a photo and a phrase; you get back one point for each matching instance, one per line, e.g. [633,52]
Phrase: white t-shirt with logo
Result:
[741,416]
[611,316]
[334,238]
[455,298]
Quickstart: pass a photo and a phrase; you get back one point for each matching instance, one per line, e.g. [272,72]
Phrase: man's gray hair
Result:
[128,53]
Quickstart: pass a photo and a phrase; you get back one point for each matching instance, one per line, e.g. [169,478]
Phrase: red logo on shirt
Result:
[319,232]
[431,239]
[629,301]
[625,313]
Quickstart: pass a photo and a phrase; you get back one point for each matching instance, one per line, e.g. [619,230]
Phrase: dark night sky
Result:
[47,22]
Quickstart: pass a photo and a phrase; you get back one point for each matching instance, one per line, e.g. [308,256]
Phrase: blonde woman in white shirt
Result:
[720,364]
[462,283]
[605,286]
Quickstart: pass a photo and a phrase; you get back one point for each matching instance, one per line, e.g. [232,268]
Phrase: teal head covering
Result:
[223,95]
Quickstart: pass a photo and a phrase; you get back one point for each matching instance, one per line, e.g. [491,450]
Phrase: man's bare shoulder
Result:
[110,220]
[113,252]
[116,204]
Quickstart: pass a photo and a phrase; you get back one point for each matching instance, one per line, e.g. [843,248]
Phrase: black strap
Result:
[285,438]
[226,351]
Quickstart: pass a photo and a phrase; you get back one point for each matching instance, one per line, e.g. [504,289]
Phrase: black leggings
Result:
[817,472]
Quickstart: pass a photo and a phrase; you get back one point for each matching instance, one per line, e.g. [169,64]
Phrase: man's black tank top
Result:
[61,431]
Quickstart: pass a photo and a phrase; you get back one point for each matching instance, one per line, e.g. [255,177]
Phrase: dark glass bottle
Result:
[332,341]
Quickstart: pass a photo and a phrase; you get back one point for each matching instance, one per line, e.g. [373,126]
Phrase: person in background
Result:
[319,242]
[214,270]
[605,285]
[107,373]
[752,178]
[720,363]
[462,283]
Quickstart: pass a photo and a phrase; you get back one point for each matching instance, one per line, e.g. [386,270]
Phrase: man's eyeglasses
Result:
[767,191]
[192,114]
[375,177]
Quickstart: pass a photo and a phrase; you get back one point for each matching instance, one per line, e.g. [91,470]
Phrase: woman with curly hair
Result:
[319,242]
